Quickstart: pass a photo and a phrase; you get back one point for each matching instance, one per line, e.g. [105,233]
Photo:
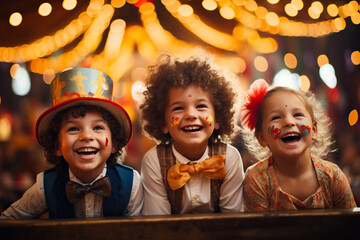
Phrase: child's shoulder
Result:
[152,151]
[326,167]
[258,167]
[121,167]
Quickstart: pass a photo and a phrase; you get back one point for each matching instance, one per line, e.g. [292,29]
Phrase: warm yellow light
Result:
[261,64]
[239,2]
[94,8]
[185,10]
[313,13]
[298,4]
[15,19]
[250,5]
[48,76]
[353,117]
[318,7]
[261,12]
[117,3]
[273,1]
[339,24]
[115,38]
[332,10]
[355,57]
[322,60]
[355,18]
[353,6]
[304,83]
[290,60]
[14,70]
[45,9]
[147,8]
[291,10]
[272,19]
[241,64]
[5,129]
[227,13]
[69,4]
[209,5]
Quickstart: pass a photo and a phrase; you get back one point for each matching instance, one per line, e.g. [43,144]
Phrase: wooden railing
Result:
[307,224]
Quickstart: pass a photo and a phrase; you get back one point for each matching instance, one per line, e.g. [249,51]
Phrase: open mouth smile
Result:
[291,138]
[192,128]
[87,151]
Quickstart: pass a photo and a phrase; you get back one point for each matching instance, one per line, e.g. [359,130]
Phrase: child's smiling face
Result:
[189,118]
[85,143]
[287,127]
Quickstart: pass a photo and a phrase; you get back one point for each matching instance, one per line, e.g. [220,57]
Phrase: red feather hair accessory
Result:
[254,96]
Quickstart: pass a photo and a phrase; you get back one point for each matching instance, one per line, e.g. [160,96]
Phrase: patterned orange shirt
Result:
[263,193]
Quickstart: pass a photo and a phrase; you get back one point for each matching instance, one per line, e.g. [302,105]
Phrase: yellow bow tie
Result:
[180,173]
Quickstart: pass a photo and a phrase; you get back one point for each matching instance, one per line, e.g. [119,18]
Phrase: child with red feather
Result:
[289,132]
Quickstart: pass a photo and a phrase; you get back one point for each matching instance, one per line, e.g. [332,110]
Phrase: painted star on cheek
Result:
[209,119]
[305,128]
[174,121]
[274,132]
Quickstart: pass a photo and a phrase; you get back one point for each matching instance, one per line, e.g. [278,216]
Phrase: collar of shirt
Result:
[181,159]
[73,178]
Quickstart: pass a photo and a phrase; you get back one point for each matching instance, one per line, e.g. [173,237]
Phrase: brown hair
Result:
[171,73]
[50,139]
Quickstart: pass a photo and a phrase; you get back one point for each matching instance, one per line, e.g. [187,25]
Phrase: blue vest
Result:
[121,178]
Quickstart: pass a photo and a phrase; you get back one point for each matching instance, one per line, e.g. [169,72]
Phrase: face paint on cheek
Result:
[305,128]
[174,121]
[189,95]
[274,132]
[106,142]
[209,119]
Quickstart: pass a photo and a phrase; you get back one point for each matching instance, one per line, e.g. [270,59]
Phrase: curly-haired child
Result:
[83,134]
[189,109]
[289,132]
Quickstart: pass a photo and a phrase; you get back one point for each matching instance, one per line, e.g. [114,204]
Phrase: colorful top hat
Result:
[82,86]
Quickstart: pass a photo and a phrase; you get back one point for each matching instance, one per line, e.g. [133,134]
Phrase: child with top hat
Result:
[83,134]
[289,132]
[189,109]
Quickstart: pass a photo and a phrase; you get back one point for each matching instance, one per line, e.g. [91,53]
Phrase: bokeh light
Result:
[355,57]
[15,19]
[45,9]
[353,117]
[327,74]
[290,60]
[261,64]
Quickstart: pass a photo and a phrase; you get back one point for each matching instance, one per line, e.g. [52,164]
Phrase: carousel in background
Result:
[311,45]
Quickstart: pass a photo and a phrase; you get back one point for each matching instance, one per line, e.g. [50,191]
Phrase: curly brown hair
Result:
[172,73]
[50,139]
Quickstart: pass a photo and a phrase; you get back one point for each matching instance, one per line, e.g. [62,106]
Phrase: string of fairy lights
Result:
[252,19]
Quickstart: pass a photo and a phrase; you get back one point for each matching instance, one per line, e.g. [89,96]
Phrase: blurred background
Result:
[311,45]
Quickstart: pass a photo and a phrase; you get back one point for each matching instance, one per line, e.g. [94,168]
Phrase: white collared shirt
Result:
[197,192]
[91,204]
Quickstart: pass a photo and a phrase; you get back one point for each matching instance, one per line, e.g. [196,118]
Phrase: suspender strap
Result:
[167,160]
[215,149]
